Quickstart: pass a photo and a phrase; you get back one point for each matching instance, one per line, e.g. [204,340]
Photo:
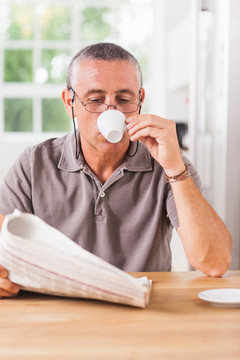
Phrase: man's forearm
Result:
[205,238]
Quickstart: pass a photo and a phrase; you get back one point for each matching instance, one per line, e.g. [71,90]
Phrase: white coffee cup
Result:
[111,124]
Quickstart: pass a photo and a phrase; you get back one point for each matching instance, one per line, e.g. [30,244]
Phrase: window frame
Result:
[47,90]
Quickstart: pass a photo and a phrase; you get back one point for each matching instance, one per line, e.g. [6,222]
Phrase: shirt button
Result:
[102,194]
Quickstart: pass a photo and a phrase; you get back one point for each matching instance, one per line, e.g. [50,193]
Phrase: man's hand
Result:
[160,137]
[205,238]
[7,288]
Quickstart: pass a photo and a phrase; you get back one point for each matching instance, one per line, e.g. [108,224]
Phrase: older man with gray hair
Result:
[120,200]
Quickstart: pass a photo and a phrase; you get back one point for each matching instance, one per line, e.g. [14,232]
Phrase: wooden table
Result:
[175,325]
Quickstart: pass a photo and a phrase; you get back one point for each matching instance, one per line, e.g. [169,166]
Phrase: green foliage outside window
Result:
[54,116]
[45,24]
[18,115]
[18,65]
[55,62]
[93,26]
[55,23]
[20,22]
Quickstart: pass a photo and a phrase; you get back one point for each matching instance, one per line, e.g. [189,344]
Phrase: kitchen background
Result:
[190,55]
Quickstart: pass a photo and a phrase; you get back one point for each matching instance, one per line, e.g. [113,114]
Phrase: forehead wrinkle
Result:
[100,91]
[128,91]
[95,71]
[94,91]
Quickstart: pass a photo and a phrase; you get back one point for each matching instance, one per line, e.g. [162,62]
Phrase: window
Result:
[37,41]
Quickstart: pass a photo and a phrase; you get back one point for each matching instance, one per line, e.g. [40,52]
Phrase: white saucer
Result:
[228,298]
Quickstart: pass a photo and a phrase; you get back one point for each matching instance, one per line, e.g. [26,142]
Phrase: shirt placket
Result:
[99,213]
[101,195]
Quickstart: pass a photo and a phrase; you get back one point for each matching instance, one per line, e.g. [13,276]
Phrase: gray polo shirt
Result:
[126,221]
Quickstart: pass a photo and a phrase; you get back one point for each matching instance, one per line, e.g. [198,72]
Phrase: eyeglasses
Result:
[97,107]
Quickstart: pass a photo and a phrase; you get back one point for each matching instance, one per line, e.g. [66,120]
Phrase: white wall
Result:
[170,78]
[216,112]
[232,173]
[11,147]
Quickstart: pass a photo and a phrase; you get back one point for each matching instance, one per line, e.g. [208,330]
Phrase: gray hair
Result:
[102,51]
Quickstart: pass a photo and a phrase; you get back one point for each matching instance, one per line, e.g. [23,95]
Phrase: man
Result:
[119,201]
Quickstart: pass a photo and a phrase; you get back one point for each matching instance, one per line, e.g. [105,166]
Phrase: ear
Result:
[67,100]
[142,92]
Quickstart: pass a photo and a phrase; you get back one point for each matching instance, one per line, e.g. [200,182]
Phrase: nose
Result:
[111,106]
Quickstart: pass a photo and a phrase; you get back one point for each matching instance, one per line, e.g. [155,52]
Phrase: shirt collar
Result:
[141,161]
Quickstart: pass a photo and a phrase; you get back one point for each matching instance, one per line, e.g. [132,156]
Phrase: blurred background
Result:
[189,53]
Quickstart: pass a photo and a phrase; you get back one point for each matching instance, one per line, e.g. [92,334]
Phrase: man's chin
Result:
[106,146]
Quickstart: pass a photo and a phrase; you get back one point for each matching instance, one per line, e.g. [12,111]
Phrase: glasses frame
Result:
[108,105]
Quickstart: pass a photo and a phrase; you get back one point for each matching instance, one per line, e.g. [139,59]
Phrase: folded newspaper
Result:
[41,259]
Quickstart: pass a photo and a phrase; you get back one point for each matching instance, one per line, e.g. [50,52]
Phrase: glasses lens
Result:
[96,107]
[127,107]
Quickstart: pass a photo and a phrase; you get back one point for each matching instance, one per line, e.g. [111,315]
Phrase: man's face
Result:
[106,82]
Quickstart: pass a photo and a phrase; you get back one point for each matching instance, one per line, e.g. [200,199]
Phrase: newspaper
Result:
[39,258]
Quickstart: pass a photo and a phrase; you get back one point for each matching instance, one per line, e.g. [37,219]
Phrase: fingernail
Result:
[3,273]
[15,289]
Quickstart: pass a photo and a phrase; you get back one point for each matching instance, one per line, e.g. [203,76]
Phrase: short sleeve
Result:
[15,191]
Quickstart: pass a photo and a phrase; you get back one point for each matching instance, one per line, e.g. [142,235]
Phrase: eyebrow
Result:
[94,91]
[128,91]
[99,91]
